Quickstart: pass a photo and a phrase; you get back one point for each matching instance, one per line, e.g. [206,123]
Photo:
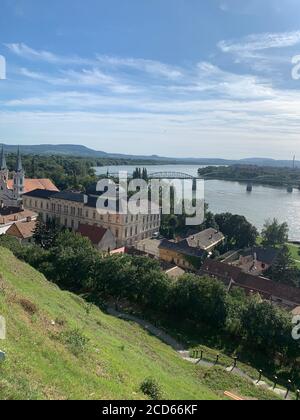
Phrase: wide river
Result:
[222,196]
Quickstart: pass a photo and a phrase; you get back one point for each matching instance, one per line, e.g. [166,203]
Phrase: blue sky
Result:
[169,77]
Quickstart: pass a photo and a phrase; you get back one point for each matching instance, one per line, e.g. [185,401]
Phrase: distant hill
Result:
[83,151]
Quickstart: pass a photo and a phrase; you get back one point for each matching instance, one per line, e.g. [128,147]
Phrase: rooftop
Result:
[264,255]
[262,285]
[26,229]
[181,247]
[34,184]
[94,233]
[205,239]
[40,193]
[8,217]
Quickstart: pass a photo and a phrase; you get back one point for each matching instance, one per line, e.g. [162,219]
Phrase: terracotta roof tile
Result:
[35,184]
[26,229]
[93,233]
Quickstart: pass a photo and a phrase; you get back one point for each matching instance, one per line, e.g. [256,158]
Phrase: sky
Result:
[182,78]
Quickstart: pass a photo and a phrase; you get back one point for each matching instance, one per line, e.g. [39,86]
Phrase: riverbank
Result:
[270,176]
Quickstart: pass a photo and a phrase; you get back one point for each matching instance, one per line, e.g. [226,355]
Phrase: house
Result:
[11,215]
[181,254]
[101,238]
[23,231]
[206,240]
[256,260]
[233,276]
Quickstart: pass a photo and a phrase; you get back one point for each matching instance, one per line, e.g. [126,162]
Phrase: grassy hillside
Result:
[58,347]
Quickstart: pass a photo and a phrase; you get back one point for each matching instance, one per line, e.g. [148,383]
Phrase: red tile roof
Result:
[35,184]
[94,233]
[25,229]
[265,287]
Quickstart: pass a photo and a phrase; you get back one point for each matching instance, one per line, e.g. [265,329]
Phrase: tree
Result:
[238,231]
[45,234]
[284,269]
[200,300]
[263,325]
[274,233]
[73,257]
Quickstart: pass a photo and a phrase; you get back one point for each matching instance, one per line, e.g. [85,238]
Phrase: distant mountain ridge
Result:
[83,151]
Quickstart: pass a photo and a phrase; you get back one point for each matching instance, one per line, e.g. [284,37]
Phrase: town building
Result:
[101,238]
[181,254]
[256,260]
[232,276]
[9,216]
[73,209]
[189,253]
[207,240]
[23,231]
[14,185]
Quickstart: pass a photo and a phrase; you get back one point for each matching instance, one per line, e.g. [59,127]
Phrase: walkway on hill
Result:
[185,354]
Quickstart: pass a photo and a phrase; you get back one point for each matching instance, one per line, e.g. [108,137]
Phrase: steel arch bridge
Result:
[170,175]
[160,175]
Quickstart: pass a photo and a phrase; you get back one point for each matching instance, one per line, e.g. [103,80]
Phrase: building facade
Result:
[72,209]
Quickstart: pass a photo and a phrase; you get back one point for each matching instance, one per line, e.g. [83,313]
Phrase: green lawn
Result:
[294,250]
[42,363]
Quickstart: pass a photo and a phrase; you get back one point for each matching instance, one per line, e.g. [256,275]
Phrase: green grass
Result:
[294,250]
[58,347]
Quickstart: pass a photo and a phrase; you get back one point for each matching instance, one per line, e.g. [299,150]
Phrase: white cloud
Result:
[152,67]
[258,42]
[22,50]
[83,78]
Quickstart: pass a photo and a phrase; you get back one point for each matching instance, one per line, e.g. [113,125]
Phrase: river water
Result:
[222,196]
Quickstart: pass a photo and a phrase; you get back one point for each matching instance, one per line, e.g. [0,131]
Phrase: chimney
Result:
[15,218]
[28,219]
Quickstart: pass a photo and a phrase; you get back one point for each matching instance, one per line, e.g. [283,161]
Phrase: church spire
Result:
[19,166]
[3,160]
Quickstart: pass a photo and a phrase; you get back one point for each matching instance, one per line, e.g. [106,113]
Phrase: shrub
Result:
[28,306]
[151,388]
[74,340]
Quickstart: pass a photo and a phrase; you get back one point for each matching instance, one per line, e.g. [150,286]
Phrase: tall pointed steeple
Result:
[19,166]
[3,160]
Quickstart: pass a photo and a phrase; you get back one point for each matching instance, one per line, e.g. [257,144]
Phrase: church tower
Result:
[3,169]
[19,179]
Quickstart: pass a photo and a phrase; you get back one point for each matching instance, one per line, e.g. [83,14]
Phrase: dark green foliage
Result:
[151,388]
[45,234]
[256,174]
[238,231]
[284,269]
[274,233]
[199,299]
